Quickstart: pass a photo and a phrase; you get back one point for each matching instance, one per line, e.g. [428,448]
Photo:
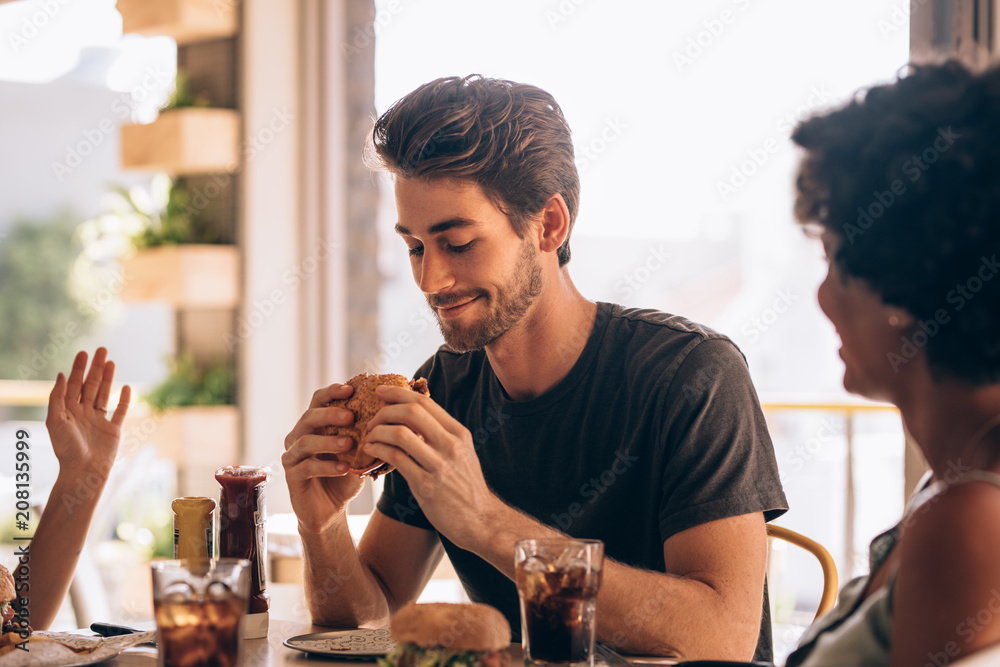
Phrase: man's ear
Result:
[555,224]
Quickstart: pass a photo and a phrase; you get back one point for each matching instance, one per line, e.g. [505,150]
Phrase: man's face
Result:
[478,276]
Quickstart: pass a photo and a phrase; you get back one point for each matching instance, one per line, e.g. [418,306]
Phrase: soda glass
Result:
[198,604]
[557,582]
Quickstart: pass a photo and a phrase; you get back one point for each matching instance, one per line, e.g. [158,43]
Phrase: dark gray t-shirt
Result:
[655,429]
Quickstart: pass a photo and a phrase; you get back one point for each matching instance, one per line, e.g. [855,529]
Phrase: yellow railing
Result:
[27,393]
[848,406]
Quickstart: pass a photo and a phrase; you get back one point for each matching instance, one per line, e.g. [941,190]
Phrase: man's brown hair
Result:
[509,138]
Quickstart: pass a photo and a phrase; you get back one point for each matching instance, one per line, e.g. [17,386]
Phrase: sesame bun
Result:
[460,627]
[6,585]
[364,404]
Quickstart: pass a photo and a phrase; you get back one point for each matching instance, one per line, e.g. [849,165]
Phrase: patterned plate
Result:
[71,650]
[350,644]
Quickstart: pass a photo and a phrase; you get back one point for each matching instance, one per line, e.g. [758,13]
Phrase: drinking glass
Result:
[557,582]
[198,604]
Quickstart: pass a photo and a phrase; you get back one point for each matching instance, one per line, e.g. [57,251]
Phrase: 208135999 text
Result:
[22,524]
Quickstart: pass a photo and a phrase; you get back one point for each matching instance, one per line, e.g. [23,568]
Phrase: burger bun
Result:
[364,403]
[461,627]
[7,592]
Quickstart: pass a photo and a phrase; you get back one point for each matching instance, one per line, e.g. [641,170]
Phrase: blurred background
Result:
[182,183]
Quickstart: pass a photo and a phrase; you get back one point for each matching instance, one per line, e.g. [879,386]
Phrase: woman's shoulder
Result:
[947,590]
[970,502]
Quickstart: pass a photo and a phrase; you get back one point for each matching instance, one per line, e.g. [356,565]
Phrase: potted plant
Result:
[193,419]
[188,137]
[170,255]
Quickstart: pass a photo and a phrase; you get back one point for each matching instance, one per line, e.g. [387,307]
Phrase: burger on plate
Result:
[7,596]
[442,634]
[364,404]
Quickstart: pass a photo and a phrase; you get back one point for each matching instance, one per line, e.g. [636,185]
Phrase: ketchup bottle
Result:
[241,527]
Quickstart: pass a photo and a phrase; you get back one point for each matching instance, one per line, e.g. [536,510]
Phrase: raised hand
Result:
[83,438]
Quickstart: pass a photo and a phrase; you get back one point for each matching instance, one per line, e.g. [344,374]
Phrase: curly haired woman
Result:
[902,185]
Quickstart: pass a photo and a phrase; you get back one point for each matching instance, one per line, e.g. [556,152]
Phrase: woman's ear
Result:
[555,224]
[899,318]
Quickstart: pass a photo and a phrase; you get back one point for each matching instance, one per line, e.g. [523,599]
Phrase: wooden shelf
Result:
[197,439]
[184,20]
[185,276]
[185,141]
[202,436]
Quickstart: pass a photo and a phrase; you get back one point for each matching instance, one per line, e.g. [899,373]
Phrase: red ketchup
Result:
[241,525]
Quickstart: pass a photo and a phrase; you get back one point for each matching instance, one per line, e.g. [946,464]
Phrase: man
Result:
[549,414]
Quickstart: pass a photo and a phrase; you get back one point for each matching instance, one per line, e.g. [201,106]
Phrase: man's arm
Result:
[708,604]
[346,588]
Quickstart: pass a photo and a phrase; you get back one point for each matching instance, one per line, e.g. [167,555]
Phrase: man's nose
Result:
[435,274]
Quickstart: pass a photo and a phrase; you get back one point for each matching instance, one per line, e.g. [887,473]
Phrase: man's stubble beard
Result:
[511,303]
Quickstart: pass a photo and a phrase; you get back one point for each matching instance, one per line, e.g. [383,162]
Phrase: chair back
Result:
[830,581]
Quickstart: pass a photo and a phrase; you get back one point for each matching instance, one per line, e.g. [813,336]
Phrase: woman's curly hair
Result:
[510,138]
[907,178]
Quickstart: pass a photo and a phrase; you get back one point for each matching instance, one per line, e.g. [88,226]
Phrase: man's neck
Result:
[539,352]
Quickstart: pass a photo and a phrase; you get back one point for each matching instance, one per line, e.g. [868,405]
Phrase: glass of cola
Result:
[557,583]
[198,603]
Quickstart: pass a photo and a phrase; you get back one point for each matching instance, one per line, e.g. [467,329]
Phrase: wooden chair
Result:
[830,581]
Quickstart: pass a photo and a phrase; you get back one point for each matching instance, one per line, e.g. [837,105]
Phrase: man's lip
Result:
[454,311]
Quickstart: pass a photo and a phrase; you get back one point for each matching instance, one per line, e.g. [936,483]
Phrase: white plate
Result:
[362,643]
[56,652]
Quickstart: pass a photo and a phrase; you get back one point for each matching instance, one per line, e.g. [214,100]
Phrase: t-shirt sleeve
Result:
[720,460]
[397,501]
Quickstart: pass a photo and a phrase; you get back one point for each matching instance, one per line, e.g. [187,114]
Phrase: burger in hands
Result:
[364,404]
[448,635]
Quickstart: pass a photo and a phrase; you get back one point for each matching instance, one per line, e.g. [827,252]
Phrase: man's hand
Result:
[320,486]
[436,456]
[83,438]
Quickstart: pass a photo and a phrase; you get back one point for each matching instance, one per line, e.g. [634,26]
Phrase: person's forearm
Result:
[57,543]
[640,611]
[342,591]
[653,613]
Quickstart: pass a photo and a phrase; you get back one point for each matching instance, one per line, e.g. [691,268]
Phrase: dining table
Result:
[271,651]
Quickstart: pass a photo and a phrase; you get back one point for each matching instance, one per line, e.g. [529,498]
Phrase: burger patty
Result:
[411,655]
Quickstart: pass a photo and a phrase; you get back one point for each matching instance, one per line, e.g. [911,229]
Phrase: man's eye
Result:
[459,249]
[418,250]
